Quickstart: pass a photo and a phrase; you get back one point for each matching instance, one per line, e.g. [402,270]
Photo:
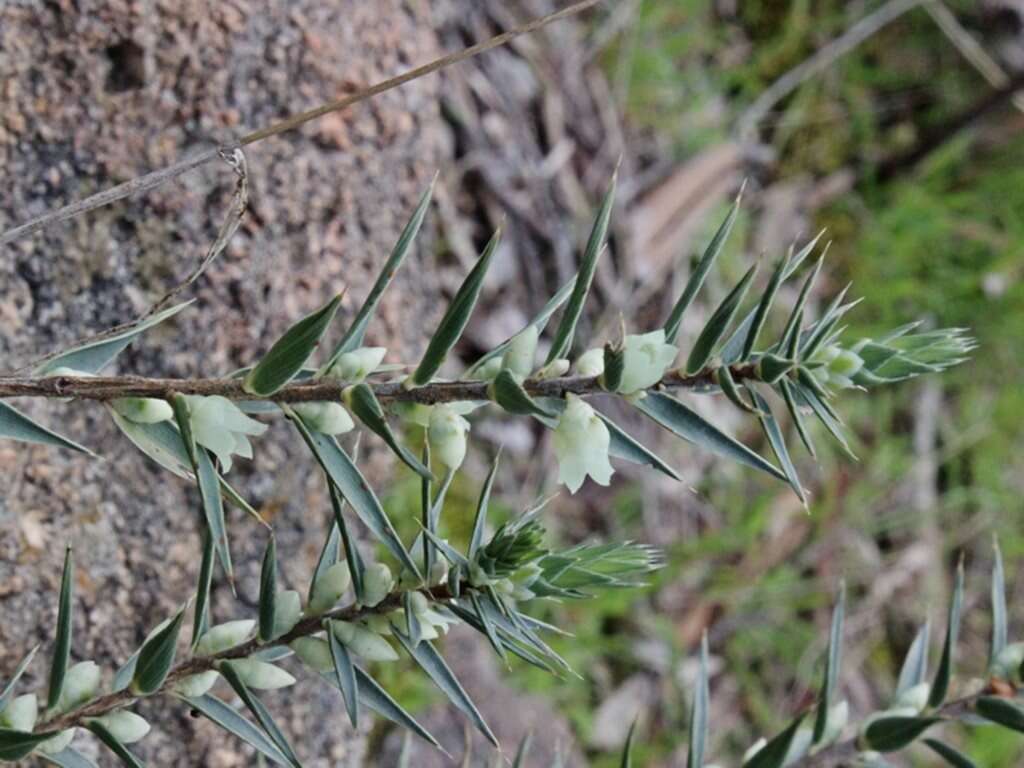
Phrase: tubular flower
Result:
[219,424]
[521,352]
[581,444]
[647,357]
[447,434]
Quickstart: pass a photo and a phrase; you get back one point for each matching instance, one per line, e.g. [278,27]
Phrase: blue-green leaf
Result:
[17,426]
[356,568]
[950,755]
[1001,711]
[377,699]
[914,670]
[69,758]
[507,392]
[15,745]
[329,555]
[833,662]
[761,311]
[778,443]
[156,657]
[717,325]
[8,691]
[889,734]
[476,539]
[773,754]
[944,672]
[345,675]
[227,718]
[110,742]
[627,749]
[699,710]
[201,614]
[268,590]
[260,712]
[363,403]
[62,645]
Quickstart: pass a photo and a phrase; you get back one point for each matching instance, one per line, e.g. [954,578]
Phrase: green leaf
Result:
[700,272]
[377,699]
[15,745]
[268,590]
[437,670]
[329,555]
[363,403]
[485,621]
[426,516]
[260,712]
[562,341]
[457,315]
[62,645]
[833,662]
[351,484]
[914,670]
[717,325]
[999,623]
[945,669]
[803,395]
[698,736]
[761,311]
[412,621]
[797,416]
[353,337]
[356,568]
[692,427]
[1001,711]
[889,734]
[345,675]
[522,752]
[950,755]
[227,718]
[156,657]
[8,691]
[69,758]
[17,426]
[201,615]
[773,754]
[111,743]
[777,441]
[93,355]
[476,539]
[507,392]
[290,352]
[161,442]
[627,749]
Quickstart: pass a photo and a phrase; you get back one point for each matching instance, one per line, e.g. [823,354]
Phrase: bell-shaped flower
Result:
[126,727]
[353,367]
[521,352]
[447,435]
[143,410]
[328,418]
[591,362]
[219,424]
[647,357]
[581,445]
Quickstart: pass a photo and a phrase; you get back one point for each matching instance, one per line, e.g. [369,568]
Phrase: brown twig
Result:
[154,179]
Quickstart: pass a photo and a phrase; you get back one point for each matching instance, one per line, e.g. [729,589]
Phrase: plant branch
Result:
[106,388]
[154,179]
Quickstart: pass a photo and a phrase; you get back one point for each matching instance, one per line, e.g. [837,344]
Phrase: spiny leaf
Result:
[1001,711]
[456,317]
[377,699]
[761,311]
[8,691]
[773,754]
[717,325]
[290,352]
[833,662]
[156,657]
[778,443]
[889,734]
[792,330]
[522,752]
[17,426]
[627,749]
[260,712]
[345,675]
[268,590]
[700,272]
[201,614]
[227,718]
[110,742]
[476,539]
[507,392]
[798,418]
[328,555]
[915,665]
[699,711]
[363,403]
[485,621]
[945,669]
[62,645]
[562,342]
[950,755]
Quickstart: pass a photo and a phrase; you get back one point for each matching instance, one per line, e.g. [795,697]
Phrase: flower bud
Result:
[356,365]
[329,588]
[261,675]
[438,573]
[81,684]
[220,425]
[21,713]
[419,603]
[490,369]
[846,363]
[195,686]
[413,413]
[378,623]
[554,369]
[447,435]
[591,362]
[288,611]
[362,642]
[647,357]
[126,727]
[1007,665]
[521,351]
[143,410]
[915,698]
[377,583]
[313,652]
[224,636]
[328,418]
[57,744]
[581,445]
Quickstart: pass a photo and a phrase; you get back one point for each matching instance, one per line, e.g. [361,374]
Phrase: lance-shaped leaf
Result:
[201,614]
[412,620]
[426,491]
[889,734]
[14,745]
[778,443]
[260,712]
[17,426]
[792,329]
[356,568]
[290,352]
[329,555]
[507,392]
[761,311]
[999,623]
[268,590]
[92,356]
[8,691]
[62,644]
[833,662]
[476,538]
[353,337]
[456,316]
[699,708]
[522,752]
[718,324]
[161,442]
[484,617]
[700,272]
[562,341]
[944,672]
[363,403]
[797,416]
[345,675]
[1001,711]
[805,396]
[914,670]
[952,756]
[434,665]
[110,742]
[377,699]
[691,426]
[351,484]
[773,754]
[69,758]
[227,718]
[627,750]
[156,657]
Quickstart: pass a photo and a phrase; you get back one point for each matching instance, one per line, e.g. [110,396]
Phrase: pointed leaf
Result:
[69,758]
[945,669]
[9,689]
[15,745]
[833,663]
[522,752]
[260,712]
[627,750]
[268,590]
[950,755]
[345,675]
[914,670]
[999,623]
[889,734]
[773,754]
[161,442]
[507,392]
[761,311]
[227,718]
[201,614]
[718,324]
[356,568]
[329,555]
[363,403]
[1002,712]
[778,443]
[111,743]
[377,699]
[798,418]
[156,657]
[62,644]
[699,709]
[17,426]
[485,621]
[476,539]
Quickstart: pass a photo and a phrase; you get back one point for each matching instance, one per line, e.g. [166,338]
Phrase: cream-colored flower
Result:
[126,727]
[353,367]
[447,434]
[81,684]
[143,410]
[218,424]
[363,642]
[21,713]
[329,588]
[377,584]
[224,636]
[591,362]
[581,445]
[313,652]
[196,685]
[646,358]
[329,418]
[262,675]
[521,352]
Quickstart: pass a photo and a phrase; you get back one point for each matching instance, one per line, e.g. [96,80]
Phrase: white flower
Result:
[581,444]
[313,652]
[224,636]
[262,675]
[646,358]
[447,434]
[143,410]
[21,713]
[80,684]
[218,424]
[356,365]
[363,642]
[329,418]
[377,583]
[195,686]
[126,727]
[521,352]
[58,743]
[329,588]
[490,369]
[554,369]
[591,362]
